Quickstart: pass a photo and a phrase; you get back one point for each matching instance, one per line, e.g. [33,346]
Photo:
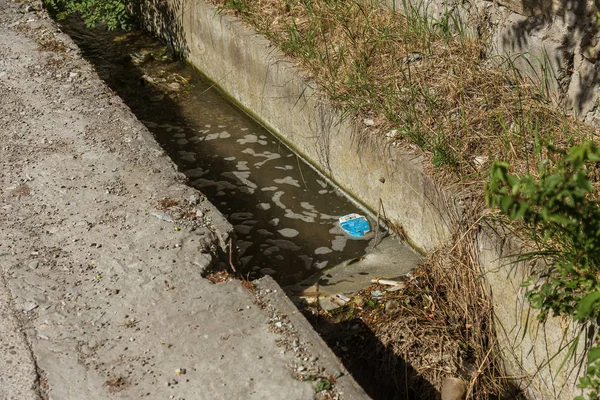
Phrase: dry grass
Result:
[441,325]
[420,80]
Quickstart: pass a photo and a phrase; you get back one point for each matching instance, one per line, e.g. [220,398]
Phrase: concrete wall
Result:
[256,75]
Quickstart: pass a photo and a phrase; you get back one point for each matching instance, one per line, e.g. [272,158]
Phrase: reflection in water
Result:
[284,215]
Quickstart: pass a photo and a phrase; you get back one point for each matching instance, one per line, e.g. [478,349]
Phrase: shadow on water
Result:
[379,371]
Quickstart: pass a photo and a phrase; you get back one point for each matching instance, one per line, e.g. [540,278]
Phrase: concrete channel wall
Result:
[250,70]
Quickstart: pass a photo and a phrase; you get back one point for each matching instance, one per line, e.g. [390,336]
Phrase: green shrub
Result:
[117,14]
[562,215]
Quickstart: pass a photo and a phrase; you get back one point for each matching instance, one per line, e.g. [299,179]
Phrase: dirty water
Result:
[284,214]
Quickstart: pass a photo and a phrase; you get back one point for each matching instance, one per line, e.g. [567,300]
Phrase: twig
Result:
[231,255]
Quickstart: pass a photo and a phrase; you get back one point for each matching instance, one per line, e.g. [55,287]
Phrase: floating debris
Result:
[355,225]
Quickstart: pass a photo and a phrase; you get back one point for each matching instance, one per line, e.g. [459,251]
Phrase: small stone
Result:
[174,86]
[34,264]
[369,122]
[194,199]
[453,389]
[391,305]
[157,98]
[480,160]
[180,371]
[29,306]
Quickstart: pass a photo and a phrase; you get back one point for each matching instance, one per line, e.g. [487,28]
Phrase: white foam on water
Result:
[321,264]
[271,250]
[324,191]
[182,142]
[263,206]
[242,166]
[323,184]
[336,230]
[269,189]
[288,232]
[149,124]
[220,185]
[229,158]
[243,229]
[277,199]
[323,250]
[245,189]
[284,244]
[220,135]
[307,206]
[195,173]
[265,232]
[240,176]
[292,215]
[288,180]
[267,155]
[339,243]
[187,156]
[241,216]
[248,139]
[274,222]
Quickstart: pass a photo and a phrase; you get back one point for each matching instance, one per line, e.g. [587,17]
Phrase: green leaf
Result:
[323,384]
[593,355]
[585,305]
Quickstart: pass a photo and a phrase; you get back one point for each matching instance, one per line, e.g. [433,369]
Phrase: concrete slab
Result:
[390,259]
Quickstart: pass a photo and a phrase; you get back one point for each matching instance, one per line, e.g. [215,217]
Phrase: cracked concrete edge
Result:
[270,293]
[21,378]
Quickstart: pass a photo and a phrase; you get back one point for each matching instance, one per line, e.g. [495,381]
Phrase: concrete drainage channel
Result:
[284,213]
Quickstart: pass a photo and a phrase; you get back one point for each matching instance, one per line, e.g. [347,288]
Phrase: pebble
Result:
[391,305]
